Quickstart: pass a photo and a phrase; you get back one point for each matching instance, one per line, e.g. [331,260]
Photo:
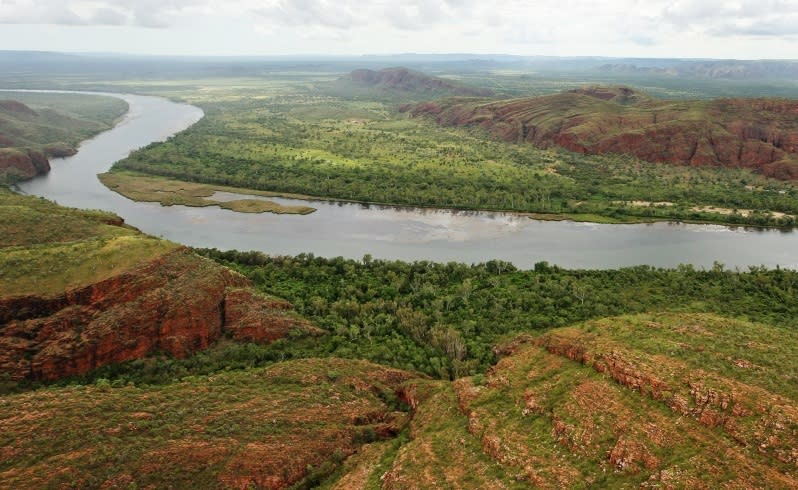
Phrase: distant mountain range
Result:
[723,69]
[53,62]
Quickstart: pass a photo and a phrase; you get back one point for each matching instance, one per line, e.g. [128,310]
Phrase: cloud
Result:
[144,13]
[409,15]
[761,18]
[643,23]
[322,13]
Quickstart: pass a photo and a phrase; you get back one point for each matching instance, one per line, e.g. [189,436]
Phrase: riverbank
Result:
[143,187]
[407,233]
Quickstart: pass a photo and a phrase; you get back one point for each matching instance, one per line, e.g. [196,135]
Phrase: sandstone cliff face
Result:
[760,134]
[28,138]
[176,304]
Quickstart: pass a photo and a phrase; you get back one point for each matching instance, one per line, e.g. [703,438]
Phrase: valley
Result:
[284,137]
[351,280]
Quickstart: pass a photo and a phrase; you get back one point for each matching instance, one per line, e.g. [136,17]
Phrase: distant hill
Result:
[760,134]
[403,81]
[715,69]
[29,134]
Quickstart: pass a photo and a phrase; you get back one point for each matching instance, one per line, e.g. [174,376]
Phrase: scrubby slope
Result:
[259,428]
[657,401]
[760,134]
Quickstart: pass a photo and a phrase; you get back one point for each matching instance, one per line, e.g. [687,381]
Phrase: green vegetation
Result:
[48,125]
[168,192]
[445,319]
[741,351]
[693,384]
[93,112]
[675,399]
[259,428]
[293,139]
[56,119]
[46,248]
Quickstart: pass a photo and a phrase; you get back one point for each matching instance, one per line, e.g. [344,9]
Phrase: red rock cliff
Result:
[760,134]
[176,304]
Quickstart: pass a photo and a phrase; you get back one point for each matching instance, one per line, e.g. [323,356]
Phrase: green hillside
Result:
[36,126]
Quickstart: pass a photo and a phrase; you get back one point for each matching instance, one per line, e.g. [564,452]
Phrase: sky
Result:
[761,29]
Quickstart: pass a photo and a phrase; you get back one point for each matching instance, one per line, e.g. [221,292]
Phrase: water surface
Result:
[353,230]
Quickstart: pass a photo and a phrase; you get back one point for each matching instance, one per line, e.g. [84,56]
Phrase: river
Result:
[353,230]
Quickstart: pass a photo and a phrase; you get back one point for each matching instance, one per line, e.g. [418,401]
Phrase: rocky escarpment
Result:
[721,69]
[406,80]
[177,304]
[760,134]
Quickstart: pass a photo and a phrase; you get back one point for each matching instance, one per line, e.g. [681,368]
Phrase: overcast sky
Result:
[745,29]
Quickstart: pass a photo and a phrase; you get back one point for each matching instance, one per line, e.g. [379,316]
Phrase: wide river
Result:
[353,230]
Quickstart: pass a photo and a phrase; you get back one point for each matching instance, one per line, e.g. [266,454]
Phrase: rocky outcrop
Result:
[713,401]
[28,138]
[250,317]
[648,401]
[177,304]
[760,134]
[16,107]
[23,164]
[285,426]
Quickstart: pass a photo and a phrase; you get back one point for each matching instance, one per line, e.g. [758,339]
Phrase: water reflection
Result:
[388,232]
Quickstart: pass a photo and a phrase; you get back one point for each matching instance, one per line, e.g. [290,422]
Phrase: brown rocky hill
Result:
[644,401]
[79,290]
[21,164]
[409,81]
[760,134]
[286,426]
[176,304]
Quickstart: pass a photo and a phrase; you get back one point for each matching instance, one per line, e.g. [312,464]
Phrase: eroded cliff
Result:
[176,304]
[760,134]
